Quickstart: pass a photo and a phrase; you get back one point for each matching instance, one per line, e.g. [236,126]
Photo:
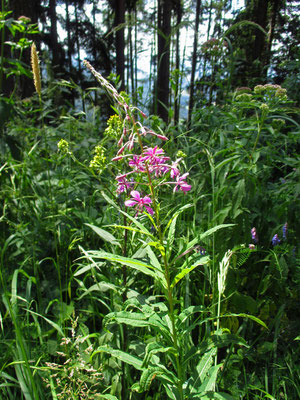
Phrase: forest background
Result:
[161,308]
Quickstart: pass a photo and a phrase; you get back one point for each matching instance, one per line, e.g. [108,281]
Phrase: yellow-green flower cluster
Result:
[180,154]
[264,109]
[244,97]
[63,146]
[98,163]
[114,127]
[270,89]
[281,93]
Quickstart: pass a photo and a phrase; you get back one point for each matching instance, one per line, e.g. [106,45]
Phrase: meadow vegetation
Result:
[141,260]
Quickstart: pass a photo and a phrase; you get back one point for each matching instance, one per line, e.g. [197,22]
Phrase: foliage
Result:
[164,308]
[141,260]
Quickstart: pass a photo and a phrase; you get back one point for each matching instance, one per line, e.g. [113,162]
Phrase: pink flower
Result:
[123,183]
[139,202]
[137,163]
[181,183]
[174,168]
[152,154]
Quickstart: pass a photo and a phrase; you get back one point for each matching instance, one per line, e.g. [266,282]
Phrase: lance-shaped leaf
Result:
[129,262]
[151,320]
[208,233]
[185,271]
[155,348]
[152,372]
[212,342]
[108,237]
[120,355]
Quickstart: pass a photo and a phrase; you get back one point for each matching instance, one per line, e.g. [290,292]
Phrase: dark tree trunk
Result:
[273,17]
[178,8]
[256,57]
[54,36]
[69,38]
[120,41]
[163,57]
[260,14]
[194,63]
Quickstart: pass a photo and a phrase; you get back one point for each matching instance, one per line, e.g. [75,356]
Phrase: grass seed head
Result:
[35,65]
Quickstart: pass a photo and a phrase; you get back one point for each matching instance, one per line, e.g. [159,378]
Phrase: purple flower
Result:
[254,235]
[123,183]
[275,240]
[284,230]
[174,168]
[181,183]
[152,155]
[139,202]
[137,163]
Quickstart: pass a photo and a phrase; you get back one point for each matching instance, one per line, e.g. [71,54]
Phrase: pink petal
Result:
[149,209]
[130,203]
[136,195]
[147,200]
[185,187]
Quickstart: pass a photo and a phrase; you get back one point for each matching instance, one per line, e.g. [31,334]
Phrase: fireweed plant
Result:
[186,371]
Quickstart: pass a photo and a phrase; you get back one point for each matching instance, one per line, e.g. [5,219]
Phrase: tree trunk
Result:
[69,37]
[273,17]
[120,41]
[54,35]
[131,60]
[163,58]
[194,63]
[177,62]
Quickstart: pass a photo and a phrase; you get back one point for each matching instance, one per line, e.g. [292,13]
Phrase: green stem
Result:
[167,275]
[257,136]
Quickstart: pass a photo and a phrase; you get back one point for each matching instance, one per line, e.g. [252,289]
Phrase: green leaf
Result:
[226,161]
[216,396]
[205,363]
[136,319]
[255,319]
[185,271]
[53,324]
[108,397]
[130,262]
[154,348]
[99,287]
[108,237]
[129,318]
[226,339]
[120,355]
[174,217]
[209,382]
[207,233]
[132,229]
[188,312]
[267,395]
[147,377]
[86,269]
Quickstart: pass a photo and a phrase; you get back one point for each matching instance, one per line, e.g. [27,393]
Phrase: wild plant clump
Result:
[74,377]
